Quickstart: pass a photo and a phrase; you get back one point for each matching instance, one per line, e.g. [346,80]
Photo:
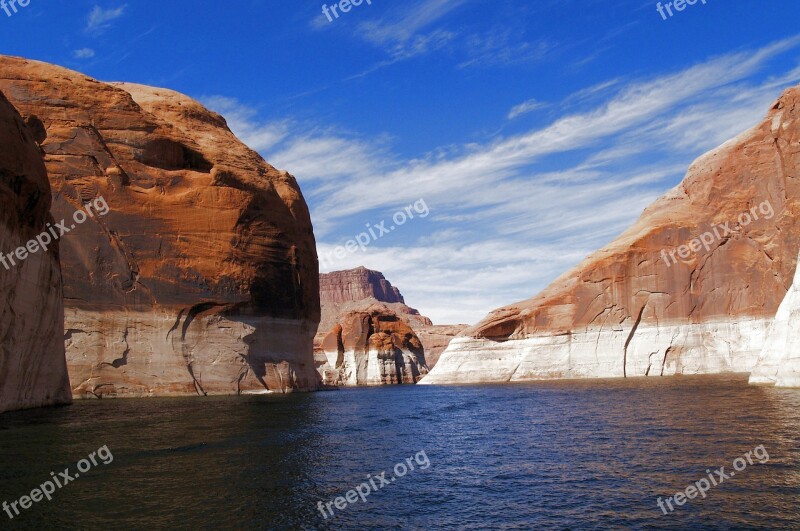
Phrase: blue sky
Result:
[534,131]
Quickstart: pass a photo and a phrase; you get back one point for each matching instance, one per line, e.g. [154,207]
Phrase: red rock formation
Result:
[373,346]
[33,369]
[632,310]
[202,276]
[356,284]
[358,303]
[435,339]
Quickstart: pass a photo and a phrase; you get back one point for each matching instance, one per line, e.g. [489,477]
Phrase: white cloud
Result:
[503,47]
[638,104]
[242,120]
[402,35]
[502,227]
[405,27]
[100,19]
[83,53]
[524,108]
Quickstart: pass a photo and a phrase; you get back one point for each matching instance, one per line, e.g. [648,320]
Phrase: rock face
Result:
[33,369]
[436,338]
[655,301]
[370,345]
[367,335]
[201,275]
[779,362]
[355,285]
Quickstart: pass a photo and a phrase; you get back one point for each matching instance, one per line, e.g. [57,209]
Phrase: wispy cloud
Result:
[83,53]
[503,47]
[243,121]
[524,108]
[639,103]
[503,222]
[407,33]
[422,27]
[100,19]
[406,26]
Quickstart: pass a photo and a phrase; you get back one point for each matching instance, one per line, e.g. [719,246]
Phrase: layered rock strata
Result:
[371,345]
[357,284]
[33,369]
[198,275]
[367,334]
[691,288]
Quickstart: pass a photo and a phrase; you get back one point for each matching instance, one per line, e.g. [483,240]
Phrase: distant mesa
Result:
[367,334]
[356,284]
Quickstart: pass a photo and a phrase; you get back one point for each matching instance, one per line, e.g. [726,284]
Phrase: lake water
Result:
[552,455]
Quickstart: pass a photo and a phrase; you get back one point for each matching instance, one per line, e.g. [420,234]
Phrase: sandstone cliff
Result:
[436,338]
[33,370]
[201,278]
[369,344]
[368,336]
[658,300]
[779,362]
[356,284]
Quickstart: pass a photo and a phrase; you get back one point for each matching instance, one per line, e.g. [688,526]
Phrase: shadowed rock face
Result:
[202,275]
[33,370]
[624,312]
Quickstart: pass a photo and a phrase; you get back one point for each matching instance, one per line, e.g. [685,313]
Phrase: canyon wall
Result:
[369,344]
[196,272]
[33,369]
[357,284]
[690,288]
[436,338]
[367,334]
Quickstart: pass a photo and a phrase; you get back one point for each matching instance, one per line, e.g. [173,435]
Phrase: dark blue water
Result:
[568,455]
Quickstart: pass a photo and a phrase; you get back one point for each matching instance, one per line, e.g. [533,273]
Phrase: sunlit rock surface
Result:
[631,310]
[367,334]
[201,278]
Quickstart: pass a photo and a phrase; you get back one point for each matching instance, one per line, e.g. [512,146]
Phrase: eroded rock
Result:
[33,369]
[625,312]
[202,276]
[367,334]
